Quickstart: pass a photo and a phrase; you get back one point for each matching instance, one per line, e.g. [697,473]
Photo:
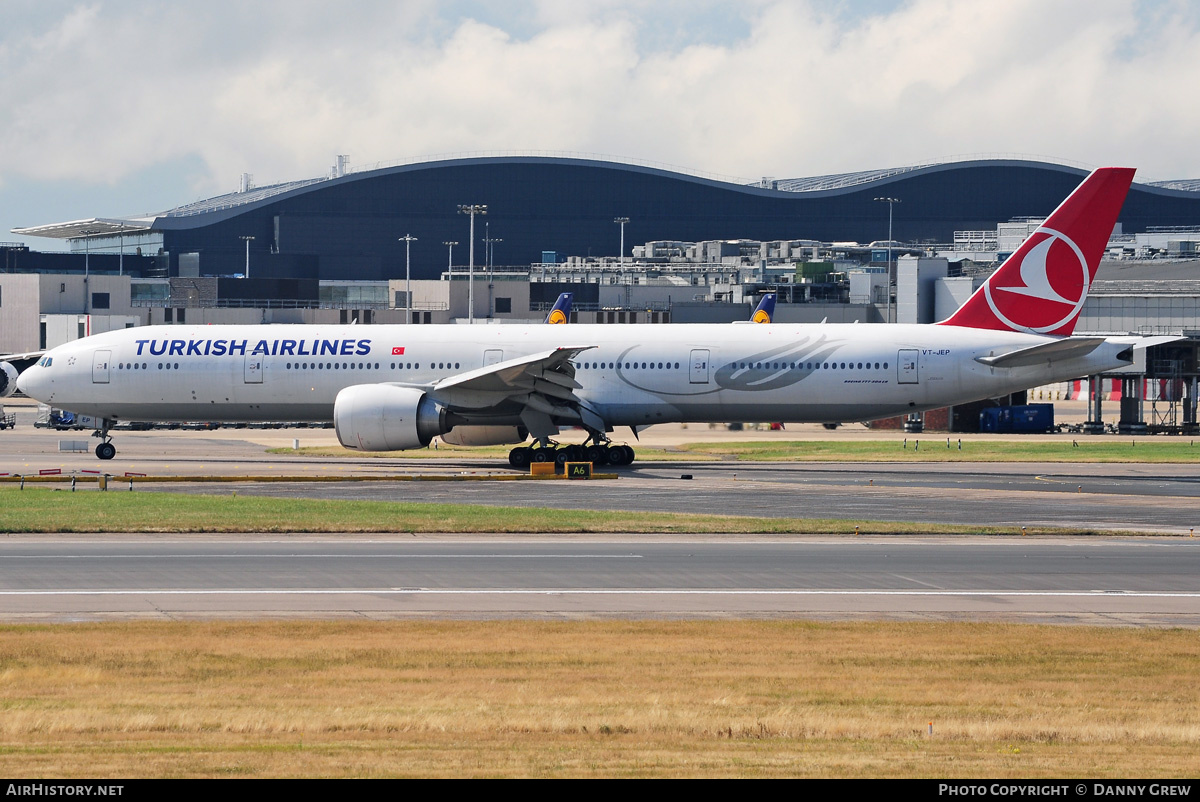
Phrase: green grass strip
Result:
[44,510]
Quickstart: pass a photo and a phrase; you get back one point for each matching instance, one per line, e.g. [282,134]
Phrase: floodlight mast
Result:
[87,253]
[621,221]
[407,239]
[248,240]
[890,202]
[490,253]
[472,209]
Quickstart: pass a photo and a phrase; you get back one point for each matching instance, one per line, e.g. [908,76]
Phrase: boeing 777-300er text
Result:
[390,387]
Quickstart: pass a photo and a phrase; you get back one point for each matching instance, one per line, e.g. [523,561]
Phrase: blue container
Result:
[1021,419]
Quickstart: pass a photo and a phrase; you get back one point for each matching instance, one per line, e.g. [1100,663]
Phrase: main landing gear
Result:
[106,450]
[599,453]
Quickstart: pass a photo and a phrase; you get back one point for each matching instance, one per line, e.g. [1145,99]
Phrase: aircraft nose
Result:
[26,382]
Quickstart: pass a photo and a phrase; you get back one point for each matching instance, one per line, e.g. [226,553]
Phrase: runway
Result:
[1103,580]
[1138,582]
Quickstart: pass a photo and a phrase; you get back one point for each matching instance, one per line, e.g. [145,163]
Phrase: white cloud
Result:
[97,91]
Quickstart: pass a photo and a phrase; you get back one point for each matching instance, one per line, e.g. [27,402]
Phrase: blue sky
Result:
[112,108]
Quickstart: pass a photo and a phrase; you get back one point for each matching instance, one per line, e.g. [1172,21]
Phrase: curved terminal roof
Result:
[89,227]
[843,180]
[233,200]
[1184,184]
[566,202]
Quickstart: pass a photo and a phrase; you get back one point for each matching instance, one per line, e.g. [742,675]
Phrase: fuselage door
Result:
[492,356]
[700,371]
[100,362]
[254,368]
[906,365]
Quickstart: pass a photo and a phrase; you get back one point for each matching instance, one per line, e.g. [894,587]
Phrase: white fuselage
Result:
[631,375]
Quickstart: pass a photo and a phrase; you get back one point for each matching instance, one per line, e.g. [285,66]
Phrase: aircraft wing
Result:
[20,357]
[542,384]
[1059,350]
[521,374]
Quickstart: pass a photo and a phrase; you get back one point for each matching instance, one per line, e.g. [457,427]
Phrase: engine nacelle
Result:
[382,417]
[485,435]
[8,379]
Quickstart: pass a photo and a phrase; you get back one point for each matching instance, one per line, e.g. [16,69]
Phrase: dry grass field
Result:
[596,698]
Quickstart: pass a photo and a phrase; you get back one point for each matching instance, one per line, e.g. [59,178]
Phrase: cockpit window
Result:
[46,361]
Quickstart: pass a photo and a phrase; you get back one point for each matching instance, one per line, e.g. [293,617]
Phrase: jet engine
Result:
[383,417]
[485,435]
[8,379]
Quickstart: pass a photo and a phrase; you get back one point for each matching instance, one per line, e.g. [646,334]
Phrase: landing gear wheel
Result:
[106,451]
[561,456]
[597,455]
[618,456]
[519,457]
[629,455]
[542,455]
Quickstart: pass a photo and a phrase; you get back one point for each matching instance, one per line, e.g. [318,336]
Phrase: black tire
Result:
[630,456]
[576,453]
[597,455]
[519,457]
[562,456]
[541,455]
[106,451]
[616,455]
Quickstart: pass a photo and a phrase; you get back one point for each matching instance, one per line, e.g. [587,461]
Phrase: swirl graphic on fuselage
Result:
[778,367]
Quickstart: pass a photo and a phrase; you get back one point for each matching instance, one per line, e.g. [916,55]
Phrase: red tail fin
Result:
[1041,288]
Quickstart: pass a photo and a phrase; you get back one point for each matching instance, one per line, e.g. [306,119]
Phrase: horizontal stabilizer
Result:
[1138,341]
[1057,351]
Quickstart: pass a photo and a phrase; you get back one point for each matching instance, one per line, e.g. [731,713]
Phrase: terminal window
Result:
[503,306]
[100,300]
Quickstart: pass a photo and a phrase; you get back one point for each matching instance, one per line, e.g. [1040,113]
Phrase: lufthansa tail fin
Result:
[1041,288]
[765,311]
[561,311]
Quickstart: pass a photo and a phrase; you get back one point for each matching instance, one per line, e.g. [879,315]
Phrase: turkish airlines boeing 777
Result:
[393,387]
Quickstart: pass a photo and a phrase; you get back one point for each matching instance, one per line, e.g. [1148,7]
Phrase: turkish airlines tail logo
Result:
[1041,288]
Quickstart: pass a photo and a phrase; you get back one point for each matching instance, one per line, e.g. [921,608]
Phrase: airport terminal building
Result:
[349,226]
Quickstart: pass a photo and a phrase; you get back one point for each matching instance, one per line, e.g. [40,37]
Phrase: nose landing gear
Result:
[106,450]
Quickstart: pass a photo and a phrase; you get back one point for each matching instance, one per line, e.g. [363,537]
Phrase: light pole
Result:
[87,253]
[491,253]
[471,209]
[248,240]
[621,221]
[450,263]
[890,202]
[407,239]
